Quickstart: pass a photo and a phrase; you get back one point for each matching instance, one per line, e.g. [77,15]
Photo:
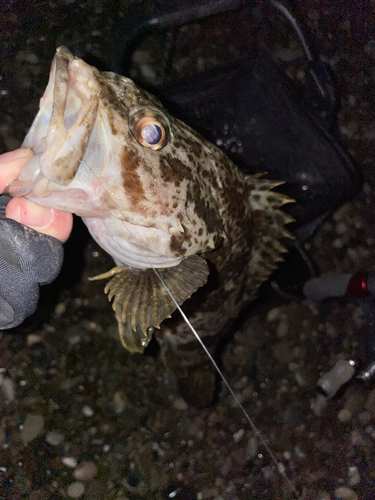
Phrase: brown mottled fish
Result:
[154,194]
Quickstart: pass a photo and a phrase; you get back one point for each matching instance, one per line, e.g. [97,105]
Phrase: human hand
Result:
[44,220]
[29,256]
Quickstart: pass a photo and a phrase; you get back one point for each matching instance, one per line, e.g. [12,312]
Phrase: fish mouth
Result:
[61,130]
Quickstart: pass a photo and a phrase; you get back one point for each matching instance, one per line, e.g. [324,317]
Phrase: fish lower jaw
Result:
[132,255]
[137,257]
[140,254]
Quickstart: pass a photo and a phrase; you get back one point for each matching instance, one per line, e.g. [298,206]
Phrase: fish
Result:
[176,214]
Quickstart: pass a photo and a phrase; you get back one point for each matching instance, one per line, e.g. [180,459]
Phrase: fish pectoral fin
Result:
[141,301]
[133,340]
[108,274]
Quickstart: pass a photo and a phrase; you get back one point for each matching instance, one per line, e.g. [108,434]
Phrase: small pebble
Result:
[147,71]
[85,471]
[119,401]
[207,493]
[341,228]
[354,476]
[269,473]
[344,415]
[7,387]
[69,462]
[323,495]
[141,57]
[33,338]
[282,328]
[299,452]
[60,309]
[87,411]
[54,438]
[352,100]
[344,493]
[180,404]
[237,436]
[32,58]
[74,339]
[300,378]
[32,427]
[364,417]
[76,490]
[330,329]
[337,243]
[273,314]
[252,447]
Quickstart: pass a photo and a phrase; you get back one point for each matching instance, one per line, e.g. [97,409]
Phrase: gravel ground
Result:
[82,418]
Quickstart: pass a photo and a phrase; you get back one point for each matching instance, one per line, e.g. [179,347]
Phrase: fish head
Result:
[109,152]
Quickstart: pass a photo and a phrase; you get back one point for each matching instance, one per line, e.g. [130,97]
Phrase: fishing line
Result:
[294,23]
[248,418]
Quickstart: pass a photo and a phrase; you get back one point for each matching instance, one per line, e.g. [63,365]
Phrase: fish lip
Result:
[61,80]
[19,188]
[23,185]
[69,104]
[32,172]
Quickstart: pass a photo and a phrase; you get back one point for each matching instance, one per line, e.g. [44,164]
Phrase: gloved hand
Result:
[28,258]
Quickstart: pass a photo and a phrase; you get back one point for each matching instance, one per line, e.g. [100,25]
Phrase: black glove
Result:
[27,259]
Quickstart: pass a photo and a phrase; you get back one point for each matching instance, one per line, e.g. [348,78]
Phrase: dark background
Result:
[122,412]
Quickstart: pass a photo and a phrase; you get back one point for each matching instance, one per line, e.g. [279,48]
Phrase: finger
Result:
[11,164]
[45,220]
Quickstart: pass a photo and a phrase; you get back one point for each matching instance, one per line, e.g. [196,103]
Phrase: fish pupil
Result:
[152,134]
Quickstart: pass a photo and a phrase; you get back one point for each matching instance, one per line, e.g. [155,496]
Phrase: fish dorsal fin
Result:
[268,223]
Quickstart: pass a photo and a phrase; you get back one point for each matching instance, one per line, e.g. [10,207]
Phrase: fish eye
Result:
[152,134]
[149,131]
